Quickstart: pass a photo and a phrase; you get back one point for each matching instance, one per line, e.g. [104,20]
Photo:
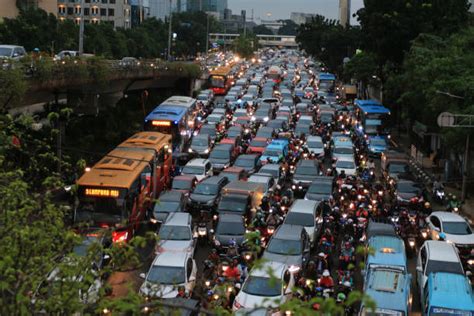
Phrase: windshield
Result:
[230,228]
[295,218]
[408,187]
[200,142]
[261,286]
[232,204]
[441,311]
[193,170]
[81,249]
[166,275]
[343,150]
[315,145]
[206,189]
[345,164]
[233,133]
[5,52]
[220,154]
[443,266]
[271,153]
[398,168]
[231,176]
[270,171]
[181,184]
[217,81]
[166,206]
[457,228]
[169,232]
[284,247]
[208,130]
[258,143]
[381,312]
[100,207]
[320,188]
[378,142]
[306,171]
[240,113]
[265,134]
[245,163]
[214,119]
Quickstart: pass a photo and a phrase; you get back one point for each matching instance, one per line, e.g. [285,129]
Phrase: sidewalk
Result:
[402,142]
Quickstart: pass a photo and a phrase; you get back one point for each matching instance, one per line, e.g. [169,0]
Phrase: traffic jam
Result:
[278,183]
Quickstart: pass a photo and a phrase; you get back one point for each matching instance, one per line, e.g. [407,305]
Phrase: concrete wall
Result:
[8,9]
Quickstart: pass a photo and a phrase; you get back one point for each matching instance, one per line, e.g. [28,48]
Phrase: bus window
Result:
[218,81]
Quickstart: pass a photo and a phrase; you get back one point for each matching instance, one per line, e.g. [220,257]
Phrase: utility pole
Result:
[81,30]
[207,33]
[169,32]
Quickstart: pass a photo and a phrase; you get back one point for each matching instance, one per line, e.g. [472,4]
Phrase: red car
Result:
[257,145]
[184,183]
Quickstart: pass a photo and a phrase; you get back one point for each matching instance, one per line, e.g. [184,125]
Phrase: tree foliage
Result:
[289,28]
[245,46]
[262,29]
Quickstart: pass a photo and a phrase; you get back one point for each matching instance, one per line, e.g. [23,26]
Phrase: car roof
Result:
[270,166]
[307,163]
[248,156]
[171,259]
[387,288]
[388,251]
[178,219]
[450,290]
[223,147]
[310,138]
[197,162]
[289,232]
[228,217]
[171,195]
[259,178]
[448,217]
[185,177]
[277,269]
[212,180]
[303,206]
[205,136]
[441,251]
[232,169]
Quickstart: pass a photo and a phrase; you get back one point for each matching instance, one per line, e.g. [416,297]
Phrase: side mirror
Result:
[436,229]
[142,276]
[192,278]
[287,290]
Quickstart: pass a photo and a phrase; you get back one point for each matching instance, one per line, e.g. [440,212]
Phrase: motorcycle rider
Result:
[233,272]
[371,165]
[326,280]
[273,219]
[438,185]
[321,263]
[214,256]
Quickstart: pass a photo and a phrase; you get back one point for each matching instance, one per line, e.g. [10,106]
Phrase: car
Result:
[208,129]
[262,115]
[326,117]
[13,52]
[275,152]
[169,202]
[306,213]
[206,194]
[436,256]
[234,173]
[201,145]
[306,171]
[249,99]
[262,289]
[274,170]
[289,244]
[456,230]
[347,165]
[265,132]
[176,234]
[302,129]
[235,132]
[321,189]
[184,183]
[250,162]
[169,271]
[266,180]
[257,145]
[64,54]
[198,167]
[376,145]
[408,191]
[217,120]
[229,228]
[279,124]
[222,156]
[129,62]
[315,146]
[234,204]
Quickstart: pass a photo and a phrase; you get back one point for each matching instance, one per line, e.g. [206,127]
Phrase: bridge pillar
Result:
[84,102]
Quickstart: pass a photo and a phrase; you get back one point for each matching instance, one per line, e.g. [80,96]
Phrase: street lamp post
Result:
[169,33]
[81,30]
[207,33]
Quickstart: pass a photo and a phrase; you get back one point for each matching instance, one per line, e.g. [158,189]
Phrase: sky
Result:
[281,9]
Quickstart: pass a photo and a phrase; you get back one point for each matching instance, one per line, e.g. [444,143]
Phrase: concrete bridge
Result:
[83,83]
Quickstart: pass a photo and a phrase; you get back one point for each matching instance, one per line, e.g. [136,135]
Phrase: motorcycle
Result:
[202,232]
[439,195]
[454,206]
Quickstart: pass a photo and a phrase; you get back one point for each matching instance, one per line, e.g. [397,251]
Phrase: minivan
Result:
[306,213]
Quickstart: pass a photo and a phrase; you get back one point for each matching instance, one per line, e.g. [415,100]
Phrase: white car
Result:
[436,256]
[454,226]
[266,180]
[176,234]
[315,145]
[201,168]
[348,165]
[262,289]
[167,273]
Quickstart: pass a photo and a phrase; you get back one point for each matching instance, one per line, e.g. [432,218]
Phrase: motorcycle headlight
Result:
[206,151]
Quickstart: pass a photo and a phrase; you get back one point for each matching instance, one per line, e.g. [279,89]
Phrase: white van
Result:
[306,213]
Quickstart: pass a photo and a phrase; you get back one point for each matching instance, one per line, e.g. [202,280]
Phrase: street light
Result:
[169,33]
[81,30]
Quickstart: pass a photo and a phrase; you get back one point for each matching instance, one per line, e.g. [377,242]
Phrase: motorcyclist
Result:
[182,292]
[438,185]
[214,256]
[272,219]
[233,272]
[265,204]
[321,263]
[259,219]
[371,164]
[311,271]
[326,280]
[232,250]
[427,208]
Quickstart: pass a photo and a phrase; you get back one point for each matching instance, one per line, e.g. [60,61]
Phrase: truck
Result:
[254,190]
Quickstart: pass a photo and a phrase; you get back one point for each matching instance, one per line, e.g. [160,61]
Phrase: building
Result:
[115,12]
[273,25]
[471,9]
[345,12]
[160,9]
[301,18]
[272,41]
[235,23]
[218,6]
[140,10]
[9,8]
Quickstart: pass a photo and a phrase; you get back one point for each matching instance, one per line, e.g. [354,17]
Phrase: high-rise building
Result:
[9,8]
[160,9]
[140,10]
[115,12]
[301,18]
[344,12]
[218,6]
[471,9]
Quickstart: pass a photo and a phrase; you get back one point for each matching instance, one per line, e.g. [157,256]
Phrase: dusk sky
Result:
[281,9]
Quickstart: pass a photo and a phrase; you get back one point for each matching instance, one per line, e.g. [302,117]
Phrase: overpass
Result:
[81,83]
[274,41]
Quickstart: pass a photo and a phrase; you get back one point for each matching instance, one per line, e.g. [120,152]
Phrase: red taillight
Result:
[119,236]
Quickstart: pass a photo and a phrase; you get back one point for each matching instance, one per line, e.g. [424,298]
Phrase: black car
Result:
[408,191]
[229,228]
[207,193]
[250,162]
[168,202]
[234,204]
[221,156]
[320,189]
[306,172]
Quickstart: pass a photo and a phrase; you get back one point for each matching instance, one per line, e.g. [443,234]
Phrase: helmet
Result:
[347,284]
[427,205]
[454,197]
[326,273]
[341,297]
[347,244]
[442,236]
[232,243]
[321,254]
[404,213]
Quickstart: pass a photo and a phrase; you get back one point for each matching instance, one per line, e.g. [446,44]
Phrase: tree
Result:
[289,28]
[262,30]
[245,46]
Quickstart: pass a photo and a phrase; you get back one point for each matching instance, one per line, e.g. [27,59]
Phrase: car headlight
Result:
[206,151]
[190,150]
[265,119]
[294,268]
[253,118]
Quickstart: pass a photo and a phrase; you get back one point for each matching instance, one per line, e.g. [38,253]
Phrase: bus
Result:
[221,80]
[373,118]
[116,193]
[327,81]
[160,146]
[177,117]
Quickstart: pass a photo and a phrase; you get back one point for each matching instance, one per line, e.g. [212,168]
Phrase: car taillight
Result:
[237,304]
[120,236]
